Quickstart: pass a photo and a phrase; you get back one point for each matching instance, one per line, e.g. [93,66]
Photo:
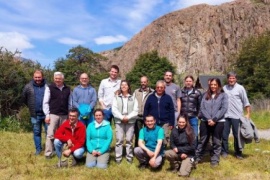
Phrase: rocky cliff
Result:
[197,39]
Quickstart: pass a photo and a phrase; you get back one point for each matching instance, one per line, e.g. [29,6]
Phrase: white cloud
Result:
[70,41]
[15,41]
[110,39]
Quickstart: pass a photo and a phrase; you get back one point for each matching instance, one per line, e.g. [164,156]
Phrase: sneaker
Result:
[118,161]
[129,161]
[240,157]
[213,165]
[224,155]
[142,166]
[257,140]
[37,153]
[62,164]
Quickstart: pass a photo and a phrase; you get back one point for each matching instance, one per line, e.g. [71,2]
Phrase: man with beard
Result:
[32,96]
[174,91]
[141,94]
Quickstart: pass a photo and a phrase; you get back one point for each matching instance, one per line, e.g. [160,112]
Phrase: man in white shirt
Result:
[106,91]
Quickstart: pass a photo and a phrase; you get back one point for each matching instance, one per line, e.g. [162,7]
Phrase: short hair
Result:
[74,110]
[150,115]
[168,71]
[161,82]
[39,71]
[232,73]
[189,76]
[115,67]
[98,110]
[58,73]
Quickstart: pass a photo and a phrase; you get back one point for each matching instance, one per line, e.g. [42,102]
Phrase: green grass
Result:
[261,119]
[18,162]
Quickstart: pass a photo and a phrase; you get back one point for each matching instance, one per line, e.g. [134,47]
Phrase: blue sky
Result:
[44,30]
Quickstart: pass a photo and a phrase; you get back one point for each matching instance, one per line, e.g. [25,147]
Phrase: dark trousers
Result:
[234,123]
[139,124]
[205,132]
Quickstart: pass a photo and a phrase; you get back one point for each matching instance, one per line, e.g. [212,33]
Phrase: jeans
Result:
[234,123]
[108,114]
[37,129]
[138,126]
[58,145]
[193,121]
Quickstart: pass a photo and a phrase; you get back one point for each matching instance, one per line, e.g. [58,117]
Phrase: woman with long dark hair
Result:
[125,111]
[182,141]
[213,107]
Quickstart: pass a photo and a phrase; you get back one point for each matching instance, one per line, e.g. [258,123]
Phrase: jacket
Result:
[179,140]
[190,102]
[162,110]
[99,137]
[214,108]
[247,131]
[64,133]
[81,95]
[34,99]
[117,108]
[138,94]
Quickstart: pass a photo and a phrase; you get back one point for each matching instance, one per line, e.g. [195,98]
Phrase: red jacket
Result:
[64,133]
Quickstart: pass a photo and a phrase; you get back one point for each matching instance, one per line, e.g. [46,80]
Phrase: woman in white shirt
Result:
[125,111]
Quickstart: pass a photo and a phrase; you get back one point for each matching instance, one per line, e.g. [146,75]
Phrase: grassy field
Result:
[18,162]
[261,119]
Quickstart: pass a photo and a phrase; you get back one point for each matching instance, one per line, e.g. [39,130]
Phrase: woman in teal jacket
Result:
[99,136]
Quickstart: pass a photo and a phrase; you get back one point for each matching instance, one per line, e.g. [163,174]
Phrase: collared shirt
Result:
[106,91]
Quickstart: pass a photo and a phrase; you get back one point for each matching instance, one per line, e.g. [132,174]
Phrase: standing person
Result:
[84,97]
[125,111]
[174,91]
[213,108]
[141,94]
[190,103]
[98,140]
[150,150]
[32,96]
[72,134]
[160,105]
[106,92]
[55,107]
[237,102]
[182,151]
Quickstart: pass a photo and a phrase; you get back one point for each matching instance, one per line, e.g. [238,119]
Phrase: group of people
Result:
[166,115]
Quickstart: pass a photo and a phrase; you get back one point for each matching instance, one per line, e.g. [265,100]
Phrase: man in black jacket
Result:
[32,96]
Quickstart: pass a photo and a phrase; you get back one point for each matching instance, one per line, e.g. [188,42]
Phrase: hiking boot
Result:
[142,166]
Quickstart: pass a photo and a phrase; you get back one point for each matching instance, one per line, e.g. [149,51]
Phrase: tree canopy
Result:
[81,60]
[252,66]
[150,65]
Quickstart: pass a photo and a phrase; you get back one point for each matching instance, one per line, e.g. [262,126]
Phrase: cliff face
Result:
[197,39]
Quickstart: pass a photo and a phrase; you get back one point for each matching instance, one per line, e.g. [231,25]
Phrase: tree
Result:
[14,74]
[81,60]
[150,65]
[252,66]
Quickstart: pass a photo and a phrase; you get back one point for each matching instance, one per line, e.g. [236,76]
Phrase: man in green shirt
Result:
[150,148]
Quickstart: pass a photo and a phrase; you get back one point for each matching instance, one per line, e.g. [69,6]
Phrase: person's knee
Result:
[102,165]
[91,164]
[57,142]
[78,154]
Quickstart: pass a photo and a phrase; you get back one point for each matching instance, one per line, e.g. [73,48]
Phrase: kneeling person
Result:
[70,135]
[150,148]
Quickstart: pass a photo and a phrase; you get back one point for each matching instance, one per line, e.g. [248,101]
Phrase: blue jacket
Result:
[162,110]
[82,95]
[99,137]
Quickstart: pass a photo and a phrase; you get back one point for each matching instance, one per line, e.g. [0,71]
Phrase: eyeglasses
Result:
[159,87]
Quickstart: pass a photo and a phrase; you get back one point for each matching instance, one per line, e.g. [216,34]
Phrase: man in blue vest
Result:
[150,148]
[32,96]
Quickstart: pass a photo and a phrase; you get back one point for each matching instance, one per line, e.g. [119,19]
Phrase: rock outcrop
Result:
[197,39]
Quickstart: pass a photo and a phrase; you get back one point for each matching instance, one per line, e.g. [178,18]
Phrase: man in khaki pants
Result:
[55,108]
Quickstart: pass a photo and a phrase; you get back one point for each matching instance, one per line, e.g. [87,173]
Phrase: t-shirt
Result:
[175,92]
